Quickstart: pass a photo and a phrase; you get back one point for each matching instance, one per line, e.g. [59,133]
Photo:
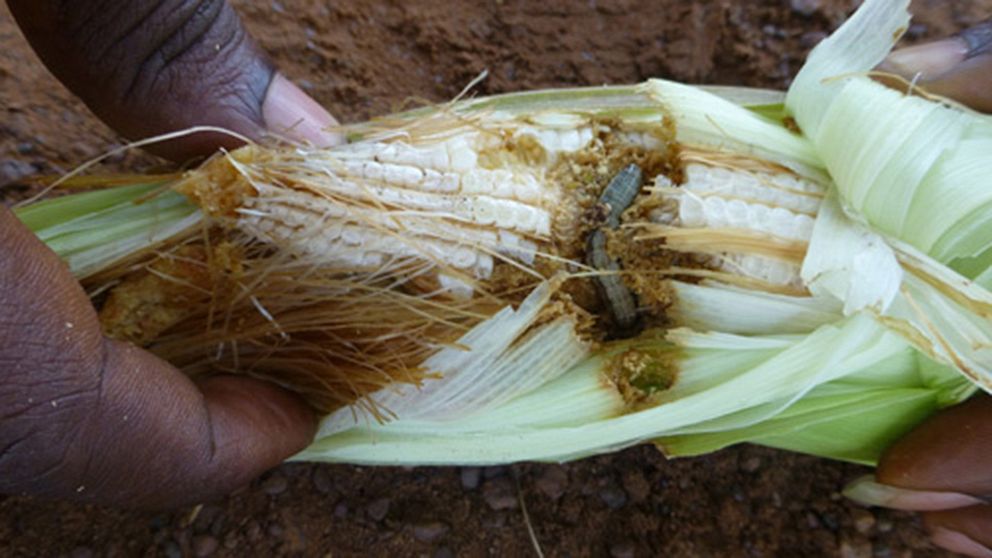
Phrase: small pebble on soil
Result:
[864,521]
[431,531]
[552,481]
[805,7]
[378,508]
[204,545]
[623,549]
[470,477]
[275,485]
[613,496]
[322,480]
[500,494]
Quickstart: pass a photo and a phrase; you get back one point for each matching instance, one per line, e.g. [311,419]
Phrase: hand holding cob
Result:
[90,419]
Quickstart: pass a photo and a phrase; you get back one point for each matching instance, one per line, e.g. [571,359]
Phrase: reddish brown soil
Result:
[363,58]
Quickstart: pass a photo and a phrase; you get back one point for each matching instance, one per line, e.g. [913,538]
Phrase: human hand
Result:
[947,462]
[89,419]
[149,67]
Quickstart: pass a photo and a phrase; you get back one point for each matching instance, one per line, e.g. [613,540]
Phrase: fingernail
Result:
[291,113]
[959,542]
[926,61]
[868,492]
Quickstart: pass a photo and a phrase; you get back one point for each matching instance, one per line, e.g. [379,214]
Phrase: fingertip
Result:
[958,68]
[967,531]
[928,61]
[969,83]
[289,112]
[256,425]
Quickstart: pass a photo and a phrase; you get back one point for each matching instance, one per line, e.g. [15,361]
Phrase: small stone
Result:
[378,508]
[751,464]
[499,494]
[805,7]
[773,31]
[470,477]
[430,532]
[637,487]
[864,521]
[623,549]
[613,496]
[552,482]
[322,480]
[275,485]
[341,510]
[812,521]
[13,170]
[231,541]
[275,530]
[204,545]
[856,548]
[25,148]
[776,500]
[81,552]
[885,526]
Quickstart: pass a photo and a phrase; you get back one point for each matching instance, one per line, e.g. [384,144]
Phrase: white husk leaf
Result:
[705,119]
[491,364]
[849,262]
[912,178]
[704,307]
[858,46]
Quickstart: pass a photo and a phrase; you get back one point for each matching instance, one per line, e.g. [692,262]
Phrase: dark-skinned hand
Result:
[951,454]
[89,419]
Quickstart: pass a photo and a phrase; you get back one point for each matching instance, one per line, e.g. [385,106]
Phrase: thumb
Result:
[149,67]
[959,68]
[157,440]
[101,421]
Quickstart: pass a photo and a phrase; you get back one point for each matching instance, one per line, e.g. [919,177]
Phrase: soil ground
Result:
[363,58]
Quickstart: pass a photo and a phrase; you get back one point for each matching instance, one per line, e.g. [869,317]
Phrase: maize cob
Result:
[461,284]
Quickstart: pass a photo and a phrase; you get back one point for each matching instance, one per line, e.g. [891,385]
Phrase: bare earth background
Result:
[364,58]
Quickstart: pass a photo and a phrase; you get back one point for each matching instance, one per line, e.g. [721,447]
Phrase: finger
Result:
[101,421]
[959,68]
[159,441]
[149,67]
[967,531]
[951,452]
